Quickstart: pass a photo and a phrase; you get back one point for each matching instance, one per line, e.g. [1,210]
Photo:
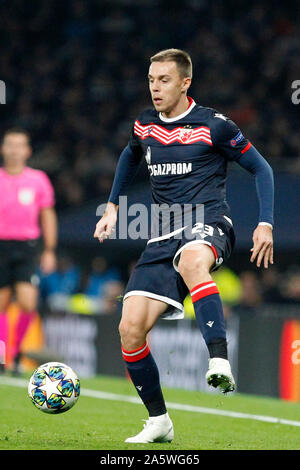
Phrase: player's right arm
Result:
[105,226]
[126,169]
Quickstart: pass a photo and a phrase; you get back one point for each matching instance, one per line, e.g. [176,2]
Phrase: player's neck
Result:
[14,169]
[180,108]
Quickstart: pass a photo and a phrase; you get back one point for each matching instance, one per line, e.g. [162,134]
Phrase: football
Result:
[54,387]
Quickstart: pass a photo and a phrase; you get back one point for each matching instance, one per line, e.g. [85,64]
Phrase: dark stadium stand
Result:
[76,78]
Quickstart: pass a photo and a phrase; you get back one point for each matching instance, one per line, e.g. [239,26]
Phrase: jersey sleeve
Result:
[127,167]
[134,143]
[256,164]
[46,193]
[227,137]
[230,142]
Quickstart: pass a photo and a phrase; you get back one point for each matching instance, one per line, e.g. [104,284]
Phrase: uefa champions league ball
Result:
[54,387]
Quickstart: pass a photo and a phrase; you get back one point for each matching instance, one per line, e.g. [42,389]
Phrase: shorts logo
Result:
[185,135]
[26,196]
[148,155]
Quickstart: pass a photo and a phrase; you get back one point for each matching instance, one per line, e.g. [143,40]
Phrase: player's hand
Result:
[48,261]
[262,246]
[105,226]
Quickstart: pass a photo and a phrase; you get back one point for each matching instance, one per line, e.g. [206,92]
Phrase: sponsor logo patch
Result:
[159,169]
[236,139]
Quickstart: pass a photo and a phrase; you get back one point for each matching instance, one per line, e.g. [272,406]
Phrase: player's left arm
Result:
[48,223]
[262,249]
[228,138]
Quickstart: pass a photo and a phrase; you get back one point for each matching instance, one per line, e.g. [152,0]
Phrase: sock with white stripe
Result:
[210,317]
[144,374]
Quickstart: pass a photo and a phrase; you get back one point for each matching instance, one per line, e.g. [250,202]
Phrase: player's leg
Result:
[24,277]
[138,317]
[195,264]
[5,299]
[26,297]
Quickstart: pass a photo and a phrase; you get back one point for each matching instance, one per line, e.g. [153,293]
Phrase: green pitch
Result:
[101,424]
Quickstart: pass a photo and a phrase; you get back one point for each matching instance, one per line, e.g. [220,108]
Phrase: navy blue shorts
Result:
[156,272]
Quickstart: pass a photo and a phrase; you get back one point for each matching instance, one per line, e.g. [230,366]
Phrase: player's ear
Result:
[186,83]
[28,153]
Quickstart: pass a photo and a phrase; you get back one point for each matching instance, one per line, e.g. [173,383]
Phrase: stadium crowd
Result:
[99,288]
[75,74]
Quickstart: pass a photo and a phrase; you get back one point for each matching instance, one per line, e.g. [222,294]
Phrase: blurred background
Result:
[76,78]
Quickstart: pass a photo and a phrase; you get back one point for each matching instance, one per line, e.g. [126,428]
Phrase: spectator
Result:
[76,99]
[56,287]
[271,281]
[251,290]
[99,276]
[112,299]
[291,286]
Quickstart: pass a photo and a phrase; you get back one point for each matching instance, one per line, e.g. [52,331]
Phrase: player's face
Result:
[166,85]
[16,149]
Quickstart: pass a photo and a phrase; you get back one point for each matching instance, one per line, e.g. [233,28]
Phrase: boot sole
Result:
[221,381]
[167,438]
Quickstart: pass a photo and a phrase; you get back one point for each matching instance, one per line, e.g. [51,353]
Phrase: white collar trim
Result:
[180,116]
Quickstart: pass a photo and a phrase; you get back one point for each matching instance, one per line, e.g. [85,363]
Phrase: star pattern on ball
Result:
[50,387]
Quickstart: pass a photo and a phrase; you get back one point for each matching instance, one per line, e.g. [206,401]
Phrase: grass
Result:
[104,425]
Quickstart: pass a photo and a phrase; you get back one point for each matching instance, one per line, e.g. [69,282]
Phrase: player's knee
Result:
[5,298]
[132,334]
[27,297]
[4,304]
[192,262]
[27,306]
[123,329]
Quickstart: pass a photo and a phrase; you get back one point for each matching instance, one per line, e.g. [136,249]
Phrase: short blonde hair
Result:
[182,59]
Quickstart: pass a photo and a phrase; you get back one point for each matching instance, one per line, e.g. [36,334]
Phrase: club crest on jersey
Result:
[26,196]
[148,155]
[185,134]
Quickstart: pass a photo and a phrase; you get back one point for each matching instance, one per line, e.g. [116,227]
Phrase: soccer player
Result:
[26,209]
[187,148]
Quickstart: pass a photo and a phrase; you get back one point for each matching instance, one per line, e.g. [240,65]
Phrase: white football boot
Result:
[156,429]
[219,375]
